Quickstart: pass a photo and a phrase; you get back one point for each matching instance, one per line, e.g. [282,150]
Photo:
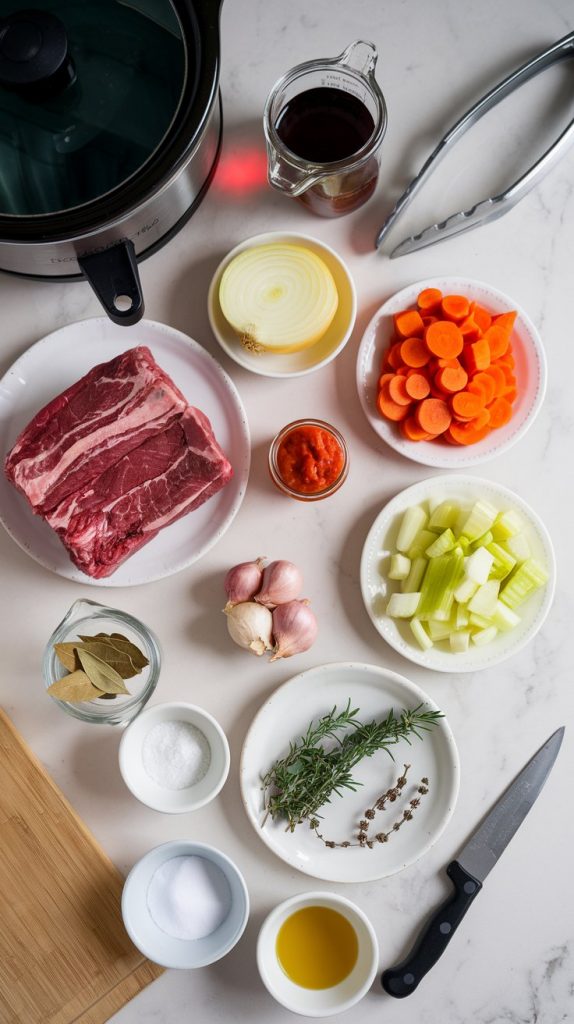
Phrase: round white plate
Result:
[61,358]
[270,364]
[285,717]
[376,588]
[530,372]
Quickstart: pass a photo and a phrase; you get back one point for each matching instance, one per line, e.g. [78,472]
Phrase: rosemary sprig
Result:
[297,785]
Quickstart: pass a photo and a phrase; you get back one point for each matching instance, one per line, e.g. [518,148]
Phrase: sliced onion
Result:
[278,297]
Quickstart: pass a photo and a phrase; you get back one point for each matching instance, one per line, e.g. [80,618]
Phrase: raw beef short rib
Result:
[92,424]
[168,476]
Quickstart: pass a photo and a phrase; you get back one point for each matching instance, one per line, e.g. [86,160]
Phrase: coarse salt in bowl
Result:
[530,372]
[174,757]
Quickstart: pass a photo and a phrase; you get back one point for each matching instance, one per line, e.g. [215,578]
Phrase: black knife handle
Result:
[401,980]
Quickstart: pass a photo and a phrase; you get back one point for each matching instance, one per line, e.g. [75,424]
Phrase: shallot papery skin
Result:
[243,581]
[294,629]
[250,626]
[282,582]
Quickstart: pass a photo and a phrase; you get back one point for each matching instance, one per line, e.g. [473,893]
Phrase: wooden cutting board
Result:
[64,953]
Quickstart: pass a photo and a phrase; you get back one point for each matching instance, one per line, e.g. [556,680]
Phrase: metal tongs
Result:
[495,206]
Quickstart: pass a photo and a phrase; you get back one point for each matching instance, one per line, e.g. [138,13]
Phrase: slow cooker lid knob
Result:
[34,57]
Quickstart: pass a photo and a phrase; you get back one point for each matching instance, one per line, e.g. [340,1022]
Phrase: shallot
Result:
[243,581]
[282,582]
[294,629]
[249,625]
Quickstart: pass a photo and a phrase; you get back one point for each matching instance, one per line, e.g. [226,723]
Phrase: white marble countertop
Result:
[513,957]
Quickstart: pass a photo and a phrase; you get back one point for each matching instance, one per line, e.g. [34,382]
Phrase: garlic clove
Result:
[294,629]
[242,582]
[250,626]
[282,582]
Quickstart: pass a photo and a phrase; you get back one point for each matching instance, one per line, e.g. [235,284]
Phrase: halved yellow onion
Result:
[278,297]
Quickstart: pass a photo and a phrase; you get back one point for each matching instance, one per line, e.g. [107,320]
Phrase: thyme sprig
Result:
[298,785]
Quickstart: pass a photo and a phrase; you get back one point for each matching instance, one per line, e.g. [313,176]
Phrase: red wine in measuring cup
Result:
[325,125]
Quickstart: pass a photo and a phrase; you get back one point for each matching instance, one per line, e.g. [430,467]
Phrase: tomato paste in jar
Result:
[310,458]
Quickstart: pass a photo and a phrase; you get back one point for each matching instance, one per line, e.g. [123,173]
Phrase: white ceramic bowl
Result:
[376,588]
[156,944]
[317,1002]
[530,372]
[270,364]
[173,801]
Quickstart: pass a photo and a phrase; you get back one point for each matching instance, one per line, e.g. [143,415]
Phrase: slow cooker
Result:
[110,128]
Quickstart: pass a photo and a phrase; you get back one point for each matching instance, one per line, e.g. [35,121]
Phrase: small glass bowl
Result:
[87,618]
[274,466]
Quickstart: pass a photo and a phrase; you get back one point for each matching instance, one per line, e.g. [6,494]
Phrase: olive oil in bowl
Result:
[317,947]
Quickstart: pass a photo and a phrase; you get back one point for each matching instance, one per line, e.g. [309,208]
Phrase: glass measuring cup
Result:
[351,115]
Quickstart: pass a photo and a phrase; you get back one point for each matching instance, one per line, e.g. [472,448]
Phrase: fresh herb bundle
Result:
[97,666]
[298,785]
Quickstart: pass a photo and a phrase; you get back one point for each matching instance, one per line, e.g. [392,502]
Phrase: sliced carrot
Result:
[500,412]
[394,356]
[389,409]
[480,421]
[476,357]
[481,316]
[385,377]
[398,390]
[452,379]
[414,352]
[433,415]
[429,300]
[427,320]
[499,379]
[439,364]
[470,329]
[465,433]
[487,384]
[498,341]
[506,321]
[507,358]
[510,394]
[408,323]
[455,307]
[466,405]
[410,429]
[402,371]
[444,339]
[508,374]
[417,386]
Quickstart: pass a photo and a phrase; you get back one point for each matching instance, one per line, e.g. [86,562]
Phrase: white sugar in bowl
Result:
[174,757]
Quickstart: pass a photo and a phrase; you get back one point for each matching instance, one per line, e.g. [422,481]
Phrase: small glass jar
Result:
[305,490]
[88,618]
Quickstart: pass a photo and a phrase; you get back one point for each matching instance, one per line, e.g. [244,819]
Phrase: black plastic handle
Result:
[401,980]
[114,276]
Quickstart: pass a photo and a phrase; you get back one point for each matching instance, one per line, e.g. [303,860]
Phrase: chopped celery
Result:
[465,591]
[460,521]
[400,567]
[461,616]
[504,618]
[480,519]
[484,601]
[483,541]
[478,565]
[421,543]
[484,636]
[503,562]
[459,641]
[441,579]
[507,524]
[420,634]
[444,516]
[402,606]
[464,543]
[527,578]
[415,576]
[479,621]
[446,541]
[518,547]
[439,630]
[414,519]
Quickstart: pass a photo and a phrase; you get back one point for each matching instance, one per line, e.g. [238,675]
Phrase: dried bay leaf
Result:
[74,687]
[66,653]
[102,675]
[138,657]
[116,659]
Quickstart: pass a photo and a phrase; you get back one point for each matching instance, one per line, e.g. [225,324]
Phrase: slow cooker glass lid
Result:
[88,91]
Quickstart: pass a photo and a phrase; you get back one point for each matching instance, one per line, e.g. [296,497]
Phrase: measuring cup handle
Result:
[361,56]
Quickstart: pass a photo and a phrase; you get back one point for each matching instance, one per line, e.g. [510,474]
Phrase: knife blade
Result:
[469,870]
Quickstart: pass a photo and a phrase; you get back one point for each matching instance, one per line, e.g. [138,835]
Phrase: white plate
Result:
[530,372]
[270,364]
[376,589]
[286,715]
[61,358]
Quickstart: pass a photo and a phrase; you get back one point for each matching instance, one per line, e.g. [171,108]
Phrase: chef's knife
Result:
[473,864]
